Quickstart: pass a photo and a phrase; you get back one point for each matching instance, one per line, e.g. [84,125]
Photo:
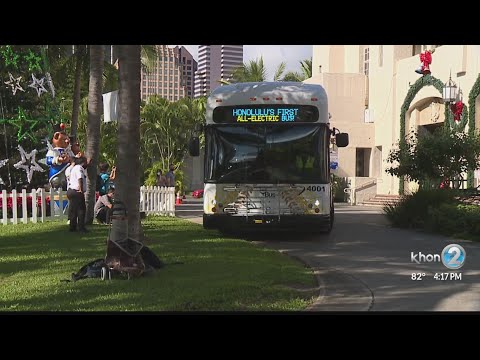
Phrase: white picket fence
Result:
[40,205]
[156,200]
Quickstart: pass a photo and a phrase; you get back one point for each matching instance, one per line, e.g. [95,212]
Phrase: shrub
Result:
[455,219]
[338,185]
[412,211]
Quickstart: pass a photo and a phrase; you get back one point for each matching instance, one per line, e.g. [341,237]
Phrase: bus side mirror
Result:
[194,146]
[341,139]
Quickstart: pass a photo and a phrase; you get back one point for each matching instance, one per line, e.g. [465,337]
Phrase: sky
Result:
[273,55]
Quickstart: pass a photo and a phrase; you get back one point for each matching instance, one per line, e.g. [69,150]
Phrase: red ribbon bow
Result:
[457,110]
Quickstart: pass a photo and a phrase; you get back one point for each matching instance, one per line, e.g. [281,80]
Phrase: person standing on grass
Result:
[76,194]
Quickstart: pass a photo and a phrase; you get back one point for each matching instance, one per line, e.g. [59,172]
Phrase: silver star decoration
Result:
[49,147]
[2,164]
[50,83]
[38,85]
[14,83]
[33,166]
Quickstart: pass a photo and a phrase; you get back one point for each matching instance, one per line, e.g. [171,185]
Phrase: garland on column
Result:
[426,80]
[472,97]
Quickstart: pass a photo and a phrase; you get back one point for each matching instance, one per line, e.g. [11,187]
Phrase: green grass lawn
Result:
[216,273]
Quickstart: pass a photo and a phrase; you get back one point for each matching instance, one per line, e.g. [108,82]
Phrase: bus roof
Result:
[295,93]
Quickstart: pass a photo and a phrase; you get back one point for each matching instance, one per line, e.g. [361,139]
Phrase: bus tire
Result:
[207,223]
[329,228]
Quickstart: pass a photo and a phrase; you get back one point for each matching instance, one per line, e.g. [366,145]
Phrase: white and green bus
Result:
[267,159]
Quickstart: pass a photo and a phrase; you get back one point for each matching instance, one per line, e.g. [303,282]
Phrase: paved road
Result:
[365,265]
[191,209]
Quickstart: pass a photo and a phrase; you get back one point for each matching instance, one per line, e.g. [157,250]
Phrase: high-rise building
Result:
[215,63]
[173,77]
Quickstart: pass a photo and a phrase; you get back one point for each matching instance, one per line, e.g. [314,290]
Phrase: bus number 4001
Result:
[316,188]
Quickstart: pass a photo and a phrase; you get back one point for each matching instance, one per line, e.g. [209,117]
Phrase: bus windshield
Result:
[269,154]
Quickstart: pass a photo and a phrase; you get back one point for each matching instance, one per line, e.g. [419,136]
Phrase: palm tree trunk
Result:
[127,182]
[76,90]
[93,125]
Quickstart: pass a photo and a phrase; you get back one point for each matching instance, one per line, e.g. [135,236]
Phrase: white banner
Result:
[110,106]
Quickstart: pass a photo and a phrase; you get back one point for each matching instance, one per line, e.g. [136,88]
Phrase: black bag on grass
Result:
[94,269]
[151,259]
[91,270]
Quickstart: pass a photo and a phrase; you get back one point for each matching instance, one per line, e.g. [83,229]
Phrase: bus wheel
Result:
[207,223]
[329,228]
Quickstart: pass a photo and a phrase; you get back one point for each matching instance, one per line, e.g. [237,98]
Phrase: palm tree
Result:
[127,182]
[95,108]
[79,55]
[253,71]
[148,56]
[80,62]
[305,72]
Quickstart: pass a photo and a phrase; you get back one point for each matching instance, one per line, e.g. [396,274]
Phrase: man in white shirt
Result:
[77,185]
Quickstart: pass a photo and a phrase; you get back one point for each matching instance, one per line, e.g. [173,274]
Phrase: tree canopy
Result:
[445,154]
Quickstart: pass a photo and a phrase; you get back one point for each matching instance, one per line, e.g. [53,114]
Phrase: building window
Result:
[189,61]
[380,56]
[417,49]
[366,60]
[362,168]
[189,68]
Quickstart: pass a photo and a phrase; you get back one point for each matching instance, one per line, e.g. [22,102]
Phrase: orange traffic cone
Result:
[178,201]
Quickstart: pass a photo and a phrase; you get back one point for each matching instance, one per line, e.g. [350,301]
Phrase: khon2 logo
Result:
[453,257]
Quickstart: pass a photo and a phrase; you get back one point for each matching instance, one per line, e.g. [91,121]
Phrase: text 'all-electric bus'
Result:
[267,157]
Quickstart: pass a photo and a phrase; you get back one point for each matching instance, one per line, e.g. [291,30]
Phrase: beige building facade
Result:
[367,86]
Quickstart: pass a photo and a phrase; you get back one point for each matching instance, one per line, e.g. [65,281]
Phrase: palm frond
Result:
[279,71]
[293,76]
[149,56]
[306,68]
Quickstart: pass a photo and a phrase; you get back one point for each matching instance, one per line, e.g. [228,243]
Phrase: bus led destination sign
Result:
[266,114]
[263,113]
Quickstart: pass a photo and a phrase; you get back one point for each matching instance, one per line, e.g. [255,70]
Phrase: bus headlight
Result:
[317,202]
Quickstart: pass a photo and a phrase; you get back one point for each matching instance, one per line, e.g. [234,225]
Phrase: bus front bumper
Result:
[306,223]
